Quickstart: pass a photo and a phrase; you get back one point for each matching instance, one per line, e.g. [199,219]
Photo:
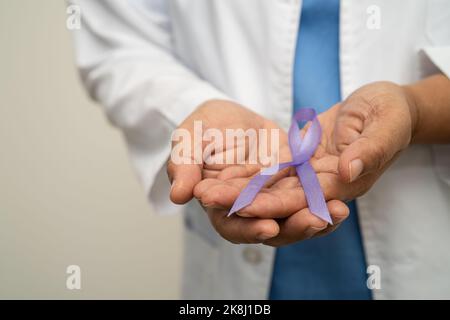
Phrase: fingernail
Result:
[355,167]
[263,237]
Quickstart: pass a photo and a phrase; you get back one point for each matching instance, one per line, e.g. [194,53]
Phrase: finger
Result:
[242,230]
[239,171]
[349,126]
[222,193]
[326,231]
[367,142]
[204,185]
[281,200]
[214,193]
[275,203]
[287,197]
[249,171]
[183,177]
[287,183]
[210,174]
[326,164]
[304,225]
[300,226]
[340,212]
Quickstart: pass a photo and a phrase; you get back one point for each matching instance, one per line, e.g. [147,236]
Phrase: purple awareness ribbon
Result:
[302,150]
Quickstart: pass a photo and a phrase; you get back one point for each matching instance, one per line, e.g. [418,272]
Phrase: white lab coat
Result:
[150,63]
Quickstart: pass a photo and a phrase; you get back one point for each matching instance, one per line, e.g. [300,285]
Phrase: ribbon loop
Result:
[302,149]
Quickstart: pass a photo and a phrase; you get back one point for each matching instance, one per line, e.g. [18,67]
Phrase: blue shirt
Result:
[330,267]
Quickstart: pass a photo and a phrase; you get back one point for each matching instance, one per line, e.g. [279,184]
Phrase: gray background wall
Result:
[67,192]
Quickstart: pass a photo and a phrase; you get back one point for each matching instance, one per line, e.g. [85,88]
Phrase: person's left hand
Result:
[361,137]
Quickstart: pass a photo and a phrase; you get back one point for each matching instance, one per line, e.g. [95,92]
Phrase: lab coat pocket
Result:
[437,22]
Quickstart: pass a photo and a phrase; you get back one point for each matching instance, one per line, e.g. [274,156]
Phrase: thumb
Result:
[368,151]
[183,178]
[184,167]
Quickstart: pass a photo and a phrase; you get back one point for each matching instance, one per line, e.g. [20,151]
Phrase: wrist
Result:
[414,109]
[429,101]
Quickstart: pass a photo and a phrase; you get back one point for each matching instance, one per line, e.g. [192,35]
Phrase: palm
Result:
[361,137]
[283,194]
[282,198]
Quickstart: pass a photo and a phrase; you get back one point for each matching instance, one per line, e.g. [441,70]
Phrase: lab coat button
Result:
[252,255]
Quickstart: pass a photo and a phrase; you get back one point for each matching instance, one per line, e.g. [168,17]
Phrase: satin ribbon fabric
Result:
[302,149]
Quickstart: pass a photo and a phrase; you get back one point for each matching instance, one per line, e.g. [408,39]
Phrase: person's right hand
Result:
[189,169]
[221,115]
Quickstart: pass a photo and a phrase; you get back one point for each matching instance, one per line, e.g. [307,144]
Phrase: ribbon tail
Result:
[249,193]
[313,192]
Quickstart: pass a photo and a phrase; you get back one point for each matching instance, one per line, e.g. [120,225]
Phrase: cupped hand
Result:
[361,137]
[187,167]
[194,172]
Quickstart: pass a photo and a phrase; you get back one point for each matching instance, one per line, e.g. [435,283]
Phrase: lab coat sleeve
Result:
[438,52]
[440,57]
[124,56]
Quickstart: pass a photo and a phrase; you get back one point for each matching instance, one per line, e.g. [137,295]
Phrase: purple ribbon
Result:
[302,150]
